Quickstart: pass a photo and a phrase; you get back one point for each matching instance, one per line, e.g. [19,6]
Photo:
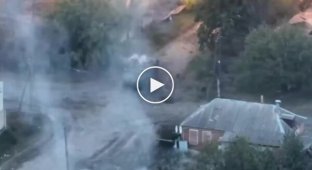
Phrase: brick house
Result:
[222,120]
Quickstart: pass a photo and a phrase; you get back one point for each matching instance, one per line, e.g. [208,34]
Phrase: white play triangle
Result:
[155,85]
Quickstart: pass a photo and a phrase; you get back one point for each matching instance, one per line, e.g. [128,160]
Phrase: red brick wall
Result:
[214,136]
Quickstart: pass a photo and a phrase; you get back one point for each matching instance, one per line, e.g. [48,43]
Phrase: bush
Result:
[275,61]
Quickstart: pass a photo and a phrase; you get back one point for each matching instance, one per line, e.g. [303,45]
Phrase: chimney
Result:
[278,103]
[262,99]
[278,106]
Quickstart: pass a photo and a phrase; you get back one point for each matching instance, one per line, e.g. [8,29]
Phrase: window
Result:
[193,137]
[206,136]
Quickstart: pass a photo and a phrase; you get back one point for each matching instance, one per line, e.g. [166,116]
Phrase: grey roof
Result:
[259,123]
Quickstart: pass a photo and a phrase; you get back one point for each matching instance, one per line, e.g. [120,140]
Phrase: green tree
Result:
[267,159]
[292,156]
[235,19]
[93,28]
[275,60]
[231,17]
[239,155]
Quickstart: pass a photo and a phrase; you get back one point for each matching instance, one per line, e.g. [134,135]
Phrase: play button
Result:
[155,85]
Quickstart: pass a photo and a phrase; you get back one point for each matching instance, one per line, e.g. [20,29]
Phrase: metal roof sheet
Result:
[259,123]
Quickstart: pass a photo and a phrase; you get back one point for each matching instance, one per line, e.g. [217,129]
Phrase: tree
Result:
[292,156]
[231,17]
[93,28]
[235,19]
[241,156]
[275,60]
[267,160]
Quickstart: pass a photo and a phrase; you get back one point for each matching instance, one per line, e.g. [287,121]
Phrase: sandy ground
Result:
[177,54]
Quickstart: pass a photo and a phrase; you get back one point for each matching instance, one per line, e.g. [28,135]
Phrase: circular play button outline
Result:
[138,81]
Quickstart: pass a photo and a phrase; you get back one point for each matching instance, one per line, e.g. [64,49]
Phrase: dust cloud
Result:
[95,124]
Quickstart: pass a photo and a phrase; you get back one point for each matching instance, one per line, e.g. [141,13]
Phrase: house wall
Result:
[204,136]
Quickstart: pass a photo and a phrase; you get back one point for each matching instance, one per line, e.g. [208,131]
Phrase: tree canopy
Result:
[235,19]
[276,60]
[94,28]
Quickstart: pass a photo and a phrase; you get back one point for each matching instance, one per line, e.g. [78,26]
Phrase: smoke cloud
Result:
[94,124]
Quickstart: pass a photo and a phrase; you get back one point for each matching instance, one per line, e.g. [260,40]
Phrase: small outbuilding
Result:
[222,120]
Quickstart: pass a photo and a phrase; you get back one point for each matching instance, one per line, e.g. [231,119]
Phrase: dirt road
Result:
[178,53]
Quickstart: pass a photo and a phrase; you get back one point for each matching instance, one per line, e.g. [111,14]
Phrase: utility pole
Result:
[218,65]
[218,79]
[65,126]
